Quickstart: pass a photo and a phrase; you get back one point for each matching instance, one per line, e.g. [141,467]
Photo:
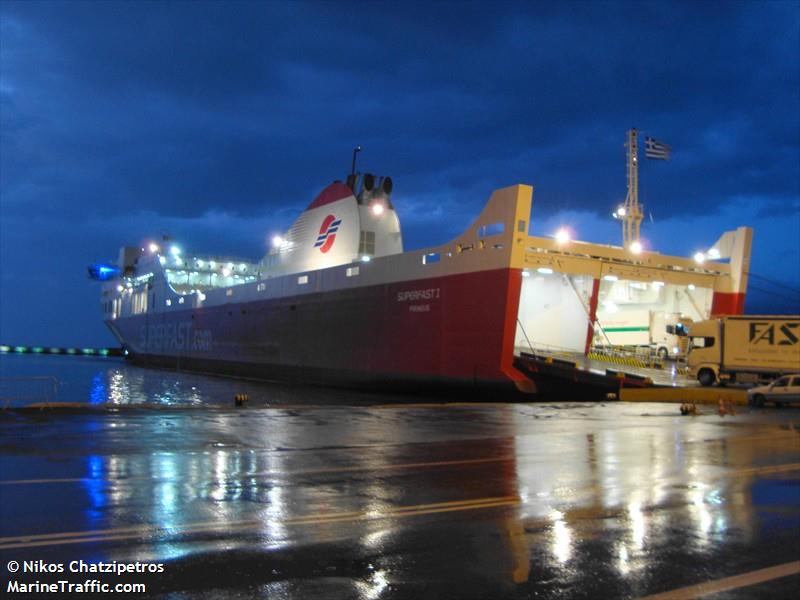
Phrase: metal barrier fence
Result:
[16,392]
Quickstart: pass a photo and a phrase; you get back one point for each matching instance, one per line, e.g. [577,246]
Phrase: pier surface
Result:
[610,500]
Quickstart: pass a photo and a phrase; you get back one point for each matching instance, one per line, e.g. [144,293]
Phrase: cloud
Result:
[239,113]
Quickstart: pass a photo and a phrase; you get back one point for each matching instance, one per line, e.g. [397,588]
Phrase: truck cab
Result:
[704,351]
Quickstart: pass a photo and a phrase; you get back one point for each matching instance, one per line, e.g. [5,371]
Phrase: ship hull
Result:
[452,332]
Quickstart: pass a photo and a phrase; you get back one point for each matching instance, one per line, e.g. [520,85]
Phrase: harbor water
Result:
[114,381]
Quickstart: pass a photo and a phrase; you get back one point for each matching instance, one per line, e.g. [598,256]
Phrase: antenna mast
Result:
[633,214]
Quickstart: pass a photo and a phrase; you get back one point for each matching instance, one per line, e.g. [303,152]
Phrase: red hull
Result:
[458,328]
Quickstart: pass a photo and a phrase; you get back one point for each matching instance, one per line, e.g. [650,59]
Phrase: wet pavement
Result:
[415,501]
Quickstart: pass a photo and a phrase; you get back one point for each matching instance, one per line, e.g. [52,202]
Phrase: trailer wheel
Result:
[706,377]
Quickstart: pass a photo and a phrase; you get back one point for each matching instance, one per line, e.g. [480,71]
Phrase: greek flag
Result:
[655,149]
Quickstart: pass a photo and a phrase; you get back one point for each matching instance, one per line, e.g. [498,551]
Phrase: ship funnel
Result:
[369,182]
[387,185]
[352,181]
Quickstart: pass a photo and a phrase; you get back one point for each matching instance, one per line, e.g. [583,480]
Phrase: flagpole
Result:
[632,220]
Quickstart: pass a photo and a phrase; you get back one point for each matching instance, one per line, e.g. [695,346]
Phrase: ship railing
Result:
[17,392]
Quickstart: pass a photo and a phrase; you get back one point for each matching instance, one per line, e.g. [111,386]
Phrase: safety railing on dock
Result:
[644,359]
[16,392]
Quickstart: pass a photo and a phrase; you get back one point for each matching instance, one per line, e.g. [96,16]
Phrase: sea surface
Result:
[26,379]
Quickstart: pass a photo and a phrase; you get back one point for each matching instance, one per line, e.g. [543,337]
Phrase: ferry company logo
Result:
[327,233]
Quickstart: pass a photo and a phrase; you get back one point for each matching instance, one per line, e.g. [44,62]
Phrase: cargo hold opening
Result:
[553,312]
[555,308]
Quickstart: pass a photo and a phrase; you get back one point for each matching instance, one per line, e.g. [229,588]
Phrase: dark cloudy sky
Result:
[219,122]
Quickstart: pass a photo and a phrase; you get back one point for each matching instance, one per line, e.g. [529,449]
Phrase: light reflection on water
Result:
[229,484]
[99,381]
[631,473]
[641,484]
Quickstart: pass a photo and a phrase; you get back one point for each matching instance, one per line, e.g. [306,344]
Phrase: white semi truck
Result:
[662,332]
[744,348]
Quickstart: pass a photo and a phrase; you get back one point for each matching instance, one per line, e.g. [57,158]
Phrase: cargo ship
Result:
[337,300]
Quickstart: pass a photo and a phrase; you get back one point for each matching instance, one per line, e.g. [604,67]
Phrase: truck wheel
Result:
[706,377]
[758,400]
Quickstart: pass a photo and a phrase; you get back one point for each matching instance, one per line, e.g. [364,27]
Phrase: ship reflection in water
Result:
[385,501]
[308,492]
[115,382]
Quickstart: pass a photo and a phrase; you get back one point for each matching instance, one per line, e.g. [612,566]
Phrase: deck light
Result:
[153,247]
[713,254]
[544,271]
[226,272]
[699,258]
[162,259]
[610,277]
[377,209]
[636,247]
[365,258]
[691,286]
[277,241]
[562,236]
[175,251]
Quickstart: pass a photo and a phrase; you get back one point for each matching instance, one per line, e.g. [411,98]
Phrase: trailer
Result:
[744,348]
[660,332]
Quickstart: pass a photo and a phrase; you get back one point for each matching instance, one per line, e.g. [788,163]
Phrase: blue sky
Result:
[218,122]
